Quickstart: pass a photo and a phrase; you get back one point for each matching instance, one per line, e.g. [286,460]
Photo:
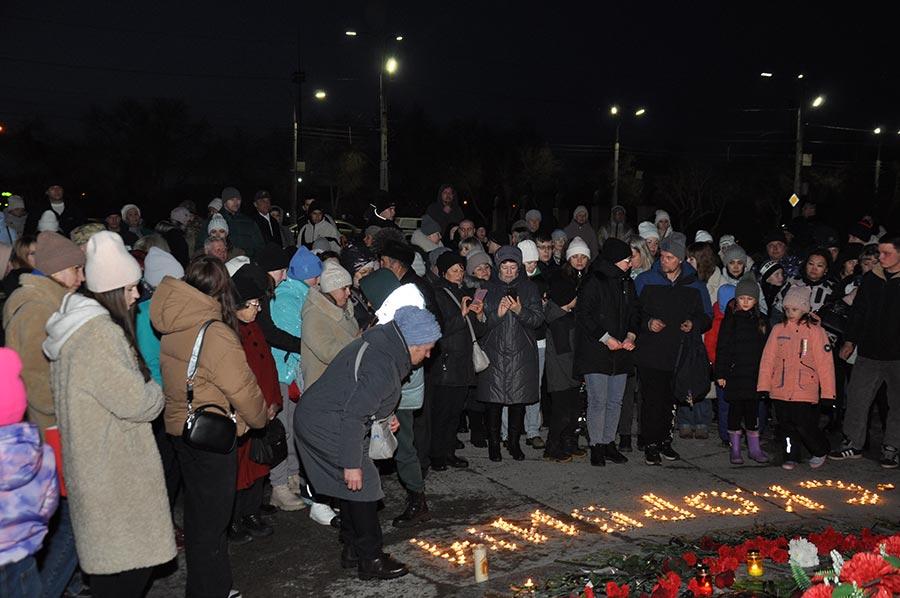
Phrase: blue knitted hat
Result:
[304,265]
[418,326]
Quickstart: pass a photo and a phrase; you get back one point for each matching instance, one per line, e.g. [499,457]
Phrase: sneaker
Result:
[284,499]
[789,465]
[890,457]
[847,451]
[817,462]
[668,453]
[536,442]
[557,456]
[321,513]
[651,456]
[234,594]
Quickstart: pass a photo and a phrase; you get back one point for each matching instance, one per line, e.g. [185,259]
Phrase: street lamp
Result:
[321,94]
[798,158]
[614,111]
[391,65]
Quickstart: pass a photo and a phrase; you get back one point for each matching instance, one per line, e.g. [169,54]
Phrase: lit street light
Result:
[321,94]
[615,112]
[391,66]
[350,33]
[818,101]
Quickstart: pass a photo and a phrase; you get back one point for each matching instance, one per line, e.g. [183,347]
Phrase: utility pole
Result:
[798,152]
[297,165]
[615,192]
[877,169]
[383,171]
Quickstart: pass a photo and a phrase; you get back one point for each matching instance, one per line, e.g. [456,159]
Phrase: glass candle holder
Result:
[704,581]
[754,563]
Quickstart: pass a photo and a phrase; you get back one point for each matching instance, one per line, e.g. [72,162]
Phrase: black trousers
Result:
[657,406]
[126,584]
[446,406]
[743,414]
[566,409]
[210,481]
[249,500]
[422,426]
[171,472]
[361,529]
[515,421]
[800,421]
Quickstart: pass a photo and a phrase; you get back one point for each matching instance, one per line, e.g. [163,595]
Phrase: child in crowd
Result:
[742,336]
[29,491]
[797,370]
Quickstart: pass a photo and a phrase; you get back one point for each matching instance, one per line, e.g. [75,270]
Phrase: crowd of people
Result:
[220,352]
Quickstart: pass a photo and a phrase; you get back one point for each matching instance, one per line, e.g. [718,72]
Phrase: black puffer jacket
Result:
[874,324]
[453,358]
[738,351]
[512,378]
[607,304]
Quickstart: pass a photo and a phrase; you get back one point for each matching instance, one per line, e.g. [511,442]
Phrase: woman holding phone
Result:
[513,310]
[452,372]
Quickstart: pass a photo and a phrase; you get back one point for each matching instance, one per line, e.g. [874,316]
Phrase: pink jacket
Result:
[797,364]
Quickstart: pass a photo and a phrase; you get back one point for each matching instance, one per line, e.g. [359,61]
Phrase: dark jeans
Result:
[20,579]
[566,409]
[249,500]
[631,406]
[422,424]
[210,481]
[409,469]
[58,559]
[169,460]
[743,414]
[516,415]
[361,529]
[800,421]
[658,405]
[126,584]
[446,406]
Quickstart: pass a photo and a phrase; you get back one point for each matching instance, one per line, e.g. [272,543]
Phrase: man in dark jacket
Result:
[333,421]
[68,214]
[673,302]
[269,228]
[242,230]
[445,210]
[873,330]
[606,318]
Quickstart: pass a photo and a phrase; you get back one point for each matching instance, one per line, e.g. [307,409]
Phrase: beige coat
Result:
[178,311]
[114,475]
[326,330]
[25,316]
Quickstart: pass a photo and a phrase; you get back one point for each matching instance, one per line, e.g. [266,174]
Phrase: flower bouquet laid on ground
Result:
[829,564]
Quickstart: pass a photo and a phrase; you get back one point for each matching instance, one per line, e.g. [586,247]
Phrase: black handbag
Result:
[269,445]
[690,381]
[834,317]
[204,428]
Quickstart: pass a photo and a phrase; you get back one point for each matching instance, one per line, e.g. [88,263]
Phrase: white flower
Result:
[803,552]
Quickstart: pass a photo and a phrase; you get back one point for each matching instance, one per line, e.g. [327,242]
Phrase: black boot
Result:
[625,443]
[416,511]
[478,435]
[349,558]
[598,455]
[492,418]
[381,568]
[516,424]
[614,455]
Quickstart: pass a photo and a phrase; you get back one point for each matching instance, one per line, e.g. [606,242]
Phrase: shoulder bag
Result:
[480,359]
[690,381]
[205,428]
[382,442]
[269,445]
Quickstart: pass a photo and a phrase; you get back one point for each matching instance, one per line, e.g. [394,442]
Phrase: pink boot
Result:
[755,452]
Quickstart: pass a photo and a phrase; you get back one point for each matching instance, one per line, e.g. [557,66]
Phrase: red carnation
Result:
[892,545]
[819,591]
[725,579]
[865,567]
[707,543]
[827,541]
[690,558]
[588,591]
[616,591]
[666,587]
[891,583]
[779,555]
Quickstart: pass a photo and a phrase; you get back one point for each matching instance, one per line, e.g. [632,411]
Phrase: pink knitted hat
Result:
[12,399]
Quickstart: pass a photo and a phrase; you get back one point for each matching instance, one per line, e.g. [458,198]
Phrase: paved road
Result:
[301,559]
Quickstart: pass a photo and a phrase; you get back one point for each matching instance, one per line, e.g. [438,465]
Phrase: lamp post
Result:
[389,66]
[614,111]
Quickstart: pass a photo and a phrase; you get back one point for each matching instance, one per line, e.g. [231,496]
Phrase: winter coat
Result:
[874,323]
[243,232]
[673,303]
[29,491]
[223,377]
[71,218]
[25,316]
[711,338]
[453,354]
[436,210]
[427,292]
[310,232]
[510,344]
[559,354]
[147,339]
[287,310]
[259,358]
[276,337]
[619,230]
[587,235]
[333,420]
[797,364]
[607,307]
[7,232]
[714,283]
[738,351]
[174,235]
[113,472]
[327,329]
[268,228]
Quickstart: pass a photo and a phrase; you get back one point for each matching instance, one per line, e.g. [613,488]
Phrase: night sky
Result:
[556,65]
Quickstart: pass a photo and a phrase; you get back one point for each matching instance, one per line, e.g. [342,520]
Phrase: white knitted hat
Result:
[529,251]
[647,230]
[578,247]
[159,264]
[48,221]
[334,277]
[109,266]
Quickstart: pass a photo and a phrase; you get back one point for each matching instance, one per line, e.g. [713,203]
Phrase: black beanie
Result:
[251,282]
[447,260]
[273,257]
[383,201]
[615,250]
[402,252]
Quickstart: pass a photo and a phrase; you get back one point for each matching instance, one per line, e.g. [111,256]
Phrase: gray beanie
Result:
[747,286]
[673,245]
[429,226]
[475,259]
[159,264]
[230,193]
[508,253]
[418,326]
[735,252]
[334,277]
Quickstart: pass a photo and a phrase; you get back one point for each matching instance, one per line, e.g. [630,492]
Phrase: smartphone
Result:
[479,296]
[512,293]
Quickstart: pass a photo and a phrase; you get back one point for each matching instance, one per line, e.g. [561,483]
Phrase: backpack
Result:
[690,381]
